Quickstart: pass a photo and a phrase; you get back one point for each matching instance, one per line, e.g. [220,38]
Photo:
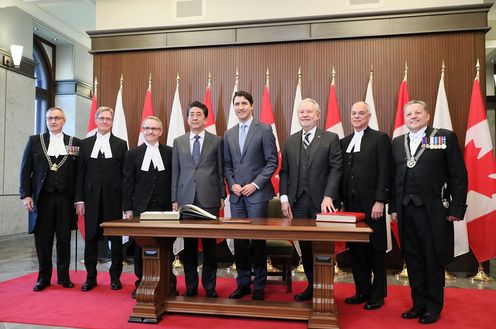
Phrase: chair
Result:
[279,252]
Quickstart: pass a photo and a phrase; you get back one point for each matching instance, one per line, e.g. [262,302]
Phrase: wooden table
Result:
[157,292]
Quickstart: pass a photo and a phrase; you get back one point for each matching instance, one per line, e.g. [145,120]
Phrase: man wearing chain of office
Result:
[430,181]
[48,172]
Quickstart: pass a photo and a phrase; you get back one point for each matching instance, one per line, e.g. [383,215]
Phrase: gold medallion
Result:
[54,167]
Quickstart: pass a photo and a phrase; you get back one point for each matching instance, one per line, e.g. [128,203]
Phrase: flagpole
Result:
[267,76]
[405,76]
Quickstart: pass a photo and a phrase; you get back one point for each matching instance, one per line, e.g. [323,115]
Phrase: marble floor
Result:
[18,257]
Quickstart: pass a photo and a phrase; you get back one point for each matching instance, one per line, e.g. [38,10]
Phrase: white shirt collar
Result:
[312,134]
[247,123]
[418,134]
[201,134]
[56,145]
[102,144]
[356,142]
[152,154]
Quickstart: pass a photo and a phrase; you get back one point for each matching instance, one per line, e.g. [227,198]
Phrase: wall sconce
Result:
[16,52]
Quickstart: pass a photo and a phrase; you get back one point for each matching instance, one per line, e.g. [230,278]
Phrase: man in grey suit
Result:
[310,177]
[198,178]
[250,160]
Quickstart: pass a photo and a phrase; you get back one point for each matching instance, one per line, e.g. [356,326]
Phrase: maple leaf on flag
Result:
[479,178]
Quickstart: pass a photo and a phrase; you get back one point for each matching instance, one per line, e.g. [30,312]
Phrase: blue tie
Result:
[196,150]
[242,137]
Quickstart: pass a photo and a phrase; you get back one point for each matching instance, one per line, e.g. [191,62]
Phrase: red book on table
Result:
[341,217]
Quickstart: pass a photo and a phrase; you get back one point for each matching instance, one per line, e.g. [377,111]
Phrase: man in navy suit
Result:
[430,183]
[146,181]
[198,178]
[48,172]
[310,176]
[250,160]
[366,188]
[99,194]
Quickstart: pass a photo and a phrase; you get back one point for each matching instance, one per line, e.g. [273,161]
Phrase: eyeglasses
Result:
[153,129]
[54,118]
[102,119]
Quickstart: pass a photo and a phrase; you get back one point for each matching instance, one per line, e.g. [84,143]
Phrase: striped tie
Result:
[306,140]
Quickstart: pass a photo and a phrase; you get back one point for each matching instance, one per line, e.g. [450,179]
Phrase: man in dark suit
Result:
[198,178]
[366,188]
[99,194]
[310,177]
[430,183]
[250,160]
[146,181]
[48,171]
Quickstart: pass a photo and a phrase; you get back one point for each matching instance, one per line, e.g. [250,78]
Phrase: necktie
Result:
[196,150]
[242,137]
[306,140]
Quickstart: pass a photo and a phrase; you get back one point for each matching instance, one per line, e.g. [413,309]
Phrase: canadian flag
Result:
[374,124]
[333,124]
[90,132]
[481,168]
[267,117]
[232,120]
[295,123]
[400,129]
[333,118]
[442,119]
[147,110]
[119,128]
[176,129]
[210,125]
[91,120]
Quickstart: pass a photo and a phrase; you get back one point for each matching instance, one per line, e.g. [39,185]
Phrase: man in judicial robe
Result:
[99,194]
[250,160]
[48,172]
[310,177]
[430,182]
[366,188]
[198,178]
[146,181]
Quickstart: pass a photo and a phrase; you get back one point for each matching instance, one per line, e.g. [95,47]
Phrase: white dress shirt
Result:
[355,143]
[56,145]
[416,139]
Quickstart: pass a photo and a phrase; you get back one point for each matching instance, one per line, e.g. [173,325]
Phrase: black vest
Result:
[55,180]
[410,190]
[304,164]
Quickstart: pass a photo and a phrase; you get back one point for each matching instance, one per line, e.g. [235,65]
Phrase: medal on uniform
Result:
[54,167]
[51,165]
[411,162]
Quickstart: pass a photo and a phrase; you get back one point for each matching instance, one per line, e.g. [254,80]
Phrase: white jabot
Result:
[152,155]
[56,145]
[416,139]
[102,144]
[355,143]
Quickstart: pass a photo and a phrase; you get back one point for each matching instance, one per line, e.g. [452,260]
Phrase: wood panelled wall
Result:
[352,59]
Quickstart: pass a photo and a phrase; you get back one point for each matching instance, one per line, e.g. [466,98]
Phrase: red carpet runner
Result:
[103,308]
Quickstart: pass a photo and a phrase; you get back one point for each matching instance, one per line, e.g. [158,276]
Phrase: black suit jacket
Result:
[325,168]
[434,169]
[100,180]
[372,178]
[138,186]
[34,168]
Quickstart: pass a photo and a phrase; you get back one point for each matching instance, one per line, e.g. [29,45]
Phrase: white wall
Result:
[16,28]
[118,14]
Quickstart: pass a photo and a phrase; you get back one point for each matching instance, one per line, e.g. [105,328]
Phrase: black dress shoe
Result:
[191,293]
[258,294]
[240,292]
[88,285]
[115,284]
[357,299]
[66,283]
[40,285]
[428,318]
[210,293]
[374,304]
[412,313]
[305,295]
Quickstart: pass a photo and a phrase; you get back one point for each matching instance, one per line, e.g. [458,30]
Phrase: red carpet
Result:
[103,308]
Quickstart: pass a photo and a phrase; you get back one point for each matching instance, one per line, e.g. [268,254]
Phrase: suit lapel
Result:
[206,144]
[314,146]
[141,154]
[184,143]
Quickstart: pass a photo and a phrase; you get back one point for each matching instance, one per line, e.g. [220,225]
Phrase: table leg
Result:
[324,312]
[158,280]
